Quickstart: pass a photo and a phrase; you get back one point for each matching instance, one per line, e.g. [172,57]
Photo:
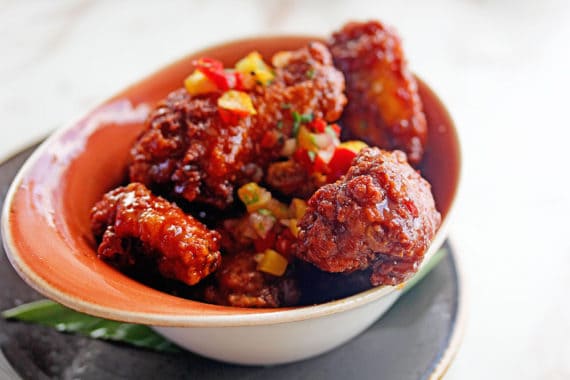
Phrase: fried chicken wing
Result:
[190,150]
[292,179]
[384,107]
[239,283]
[134,225]
[381,215]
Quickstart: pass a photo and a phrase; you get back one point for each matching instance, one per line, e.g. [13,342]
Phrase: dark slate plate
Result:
[416,339]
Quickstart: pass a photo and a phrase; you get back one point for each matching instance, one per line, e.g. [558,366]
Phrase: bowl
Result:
[46,231]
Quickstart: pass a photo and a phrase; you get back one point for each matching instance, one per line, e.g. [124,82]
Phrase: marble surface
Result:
[500,66]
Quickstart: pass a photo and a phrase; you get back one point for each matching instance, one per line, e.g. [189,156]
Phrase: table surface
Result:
[500,66]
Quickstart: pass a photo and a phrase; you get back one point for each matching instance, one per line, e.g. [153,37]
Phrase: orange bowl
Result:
[46,225]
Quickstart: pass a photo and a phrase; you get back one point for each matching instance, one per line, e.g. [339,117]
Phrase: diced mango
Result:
[237,102]
[255,69]
[298,208]
[306,140]
[293,227]
[253,196]
[353,145]
[272,263]
[197,83]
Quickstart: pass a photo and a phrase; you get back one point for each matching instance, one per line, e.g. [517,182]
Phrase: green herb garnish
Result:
[49,313]
[310,73]
[299,119]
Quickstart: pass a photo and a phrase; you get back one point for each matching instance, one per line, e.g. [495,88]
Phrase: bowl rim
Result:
[265,316]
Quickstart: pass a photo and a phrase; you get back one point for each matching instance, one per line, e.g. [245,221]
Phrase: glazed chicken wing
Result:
[384,107]
[191,151]
[380,215]
[134,225]
[292,179]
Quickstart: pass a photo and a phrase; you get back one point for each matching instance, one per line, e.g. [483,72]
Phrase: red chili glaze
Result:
[381,215]
[190,149]
[133,225]
[384,108]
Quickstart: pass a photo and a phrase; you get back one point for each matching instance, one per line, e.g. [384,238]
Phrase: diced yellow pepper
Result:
[237,101]
[272,263]
[197,83]
[253,196]
[293,227]
[298,208]
[252,66]
[353,145]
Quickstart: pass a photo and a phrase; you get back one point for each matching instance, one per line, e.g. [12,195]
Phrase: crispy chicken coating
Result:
[292,179]
[189,150]
[384,107]
[134,225]
[381,215]
[239,283]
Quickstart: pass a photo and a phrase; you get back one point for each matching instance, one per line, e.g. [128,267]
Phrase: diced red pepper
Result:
[318,125]
[229,117]
[266,243]
[340,163]
[284,244]
[214,70]
[205,63]
[302,156]
[239,81]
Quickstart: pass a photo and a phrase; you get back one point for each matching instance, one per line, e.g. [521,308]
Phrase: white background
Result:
[502,68]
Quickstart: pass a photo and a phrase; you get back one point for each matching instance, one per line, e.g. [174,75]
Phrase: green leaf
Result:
[299,119]
[432,263]
[49,313]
